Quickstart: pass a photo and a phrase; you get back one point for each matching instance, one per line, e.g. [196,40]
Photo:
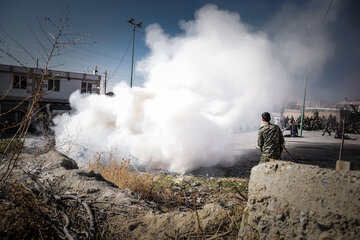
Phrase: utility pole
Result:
[303,107]
[104,85]
[138,24]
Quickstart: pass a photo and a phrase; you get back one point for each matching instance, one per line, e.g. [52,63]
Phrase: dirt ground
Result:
[209,204]
[200,208]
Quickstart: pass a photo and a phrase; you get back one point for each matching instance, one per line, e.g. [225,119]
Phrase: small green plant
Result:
[8,145]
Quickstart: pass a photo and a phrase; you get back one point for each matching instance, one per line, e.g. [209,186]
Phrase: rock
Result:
[176,188]
[68,163]
[91,173]
[131,227]
[92,190]
[196,184]
[322,227]
[325,236]
[281,216]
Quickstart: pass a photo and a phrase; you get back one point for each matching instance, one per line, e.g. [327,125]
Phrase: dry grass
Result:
[23,216]
[8,145]
[118,172]
[164,190]
[170,195]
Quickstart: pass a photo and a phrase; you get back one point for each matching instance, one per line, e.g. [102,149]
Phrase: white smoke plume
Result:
[202,88]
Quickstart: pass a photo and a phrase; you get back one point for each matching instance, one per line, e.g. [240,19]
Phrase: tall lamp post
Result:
[138,24]
[303,106]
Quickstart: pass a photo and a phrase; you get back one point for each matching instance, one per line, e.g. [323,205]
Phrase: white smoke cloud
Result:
[202,87]
[299,37]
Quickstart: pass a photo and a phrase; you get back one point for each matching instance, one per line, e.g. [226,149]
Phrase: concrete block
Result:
[296,201]
[342,165]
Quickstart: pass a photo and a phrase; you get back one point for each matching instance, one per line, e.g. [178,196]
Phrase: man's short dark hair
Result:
[266,116]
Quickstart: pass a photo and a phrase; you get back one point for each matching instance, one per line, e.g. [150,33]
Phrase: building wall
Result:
[323,112]
[6,83]
[310,112]
[67,87]
[348,105]
[292,113]
[69,82]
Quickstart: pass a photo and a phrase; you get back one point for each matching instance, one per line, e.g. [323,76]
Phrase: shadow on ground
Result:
[323,155]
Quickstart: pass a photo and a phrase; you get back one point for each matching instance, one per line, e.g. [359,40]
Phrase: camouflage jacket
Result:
[270,140]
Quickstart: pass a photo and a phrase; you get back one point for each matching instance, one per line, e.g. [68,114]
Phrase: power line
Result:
[327,11]
[120,62]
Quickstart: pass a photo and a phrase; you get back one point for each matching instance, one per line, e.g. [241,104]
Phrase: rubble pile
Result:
[227,192]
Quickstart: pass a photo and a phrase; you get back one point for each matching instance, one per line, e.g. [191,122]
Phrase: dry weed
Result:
[23,216]
[119,172]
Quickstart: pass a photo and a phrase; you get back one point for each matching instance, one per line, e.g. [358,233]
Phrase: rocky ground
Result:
[194,208]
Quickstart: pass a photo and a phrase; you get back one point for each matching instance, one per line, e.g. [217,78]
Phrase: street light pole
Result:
[132,56]
[138,24]
[303,106]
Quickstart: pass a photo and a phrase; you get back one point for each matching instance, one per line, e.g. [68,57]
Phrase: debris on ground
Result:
[69,202]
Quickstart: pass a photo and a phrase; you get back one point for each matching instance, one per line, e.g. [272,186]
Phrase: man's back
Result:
[270,140]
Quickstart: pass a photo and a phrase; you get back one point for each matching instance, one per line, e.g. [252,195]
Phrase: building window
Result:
[86,87]
[19,81]
[89,86]
[54,85]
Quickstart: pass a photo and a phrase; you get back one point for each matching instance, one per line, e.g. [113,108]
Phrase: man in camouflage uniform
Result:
[270,140]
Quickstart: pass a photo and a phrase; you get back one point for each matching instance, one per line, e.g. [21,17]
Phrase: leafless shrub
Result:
[23,215]
[53,39]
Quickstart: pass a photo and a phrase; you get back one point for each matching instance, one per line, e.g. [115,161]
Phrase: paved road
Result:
[313,148]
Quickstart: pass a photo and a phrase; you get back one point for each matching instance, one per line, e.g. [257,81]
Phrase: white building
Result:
[349,105]
[17,85]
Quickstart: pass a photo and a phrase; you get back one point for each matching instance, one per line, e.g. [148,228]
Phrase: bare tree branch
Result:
[17,43]
[43,31]
[45,49]
[12,57]
[57,44]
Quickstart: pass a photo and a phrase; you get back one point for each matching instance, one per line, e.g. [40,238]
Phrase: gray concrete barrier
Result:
[296,201]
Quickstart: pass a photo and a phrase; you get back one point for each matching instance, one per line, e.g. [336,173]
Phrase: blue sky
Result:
[106,22]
